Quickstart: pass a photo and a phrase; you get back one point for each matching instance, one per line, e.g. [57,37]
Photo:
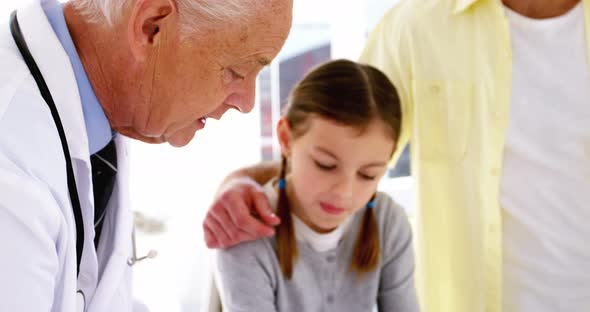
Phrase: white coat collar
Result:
[55,66]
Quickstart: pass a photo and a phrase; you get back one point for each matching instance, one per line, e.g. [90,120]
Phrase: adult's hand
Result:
[241,212]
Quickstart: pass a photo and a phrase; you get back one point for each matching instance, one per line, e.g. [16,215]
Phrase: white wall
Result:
[177,186]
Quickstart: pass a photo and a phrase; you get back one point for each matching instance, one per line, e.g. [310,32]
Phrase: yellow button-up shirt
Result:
[452,65]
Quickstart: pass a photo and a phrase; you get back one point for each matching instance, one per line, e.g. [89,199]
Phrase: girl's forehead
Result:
[328,137]
[322,128]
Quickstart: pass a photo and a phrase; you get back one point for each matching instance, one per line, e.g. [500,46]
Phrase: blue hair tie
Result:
[281,184]
[371,204]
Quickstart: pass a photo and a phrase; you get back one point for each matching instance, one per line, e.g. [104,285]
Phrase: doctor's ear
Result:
[285,136]
[149,20]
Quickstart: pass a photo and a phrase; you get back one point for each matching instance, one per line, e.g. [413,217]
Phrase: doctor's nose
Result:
[243,100]
[244,103]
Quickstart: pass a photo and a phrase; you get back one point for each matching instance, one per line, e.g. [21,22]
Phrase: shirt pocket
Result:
[443,119]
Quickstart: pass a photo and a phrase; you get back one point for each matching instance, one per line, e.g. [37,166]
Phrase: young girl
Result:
[341,246]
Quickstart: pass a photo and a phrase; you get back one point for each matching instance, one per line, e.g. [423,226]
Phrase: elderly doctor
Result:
[75,80]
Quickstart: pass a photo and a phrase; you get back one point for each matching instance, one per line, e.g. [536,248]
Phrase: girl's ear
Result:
[285,136]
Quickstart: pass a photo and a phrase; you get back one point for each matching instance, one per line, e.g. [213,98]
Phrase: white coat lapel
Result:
[54,64]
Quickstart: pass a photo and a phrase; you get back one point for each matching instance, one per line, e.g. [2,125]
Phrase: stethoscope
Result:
[149,225]
[134,259]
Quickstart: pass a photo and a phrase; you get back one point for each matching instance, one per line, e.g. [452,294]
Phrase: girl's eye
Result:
[366,177]
[324,167]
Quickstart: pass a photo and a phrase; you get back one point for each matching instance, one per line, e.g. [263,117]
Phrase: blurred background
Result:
[171,189]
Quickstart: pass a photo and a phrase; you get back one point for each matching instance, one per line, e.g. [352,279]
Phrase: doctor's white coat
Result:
[37,228]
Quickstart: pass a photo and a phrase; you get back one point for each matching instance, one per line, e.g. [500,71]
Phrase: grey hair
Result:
[194,14]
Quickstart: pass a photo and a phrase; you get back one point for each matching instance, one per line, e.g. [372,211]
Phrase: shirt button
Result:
[330,258]
[435,89]
[330,298]
[495,172]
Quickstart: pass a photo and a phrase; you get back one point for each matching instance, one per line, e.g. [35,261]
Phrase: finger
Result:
[263,209]
[210,240]
[218,232]
[232,230]
[246,237]
[243,219]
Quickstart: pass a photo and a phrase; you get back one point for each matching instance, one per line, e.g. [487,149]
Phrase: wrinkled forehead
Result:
[276,16]
[261,37]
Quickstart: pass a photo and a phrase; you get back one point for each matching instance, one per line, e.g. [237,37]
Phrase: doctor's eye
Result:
[232,75]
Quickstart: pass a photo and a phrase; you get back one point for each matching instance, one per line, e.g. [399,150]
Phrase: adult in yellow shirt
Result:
[496,98]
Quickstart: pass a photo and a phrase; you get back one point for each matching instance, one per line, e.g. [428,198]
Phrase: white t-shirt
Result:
[545,186]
